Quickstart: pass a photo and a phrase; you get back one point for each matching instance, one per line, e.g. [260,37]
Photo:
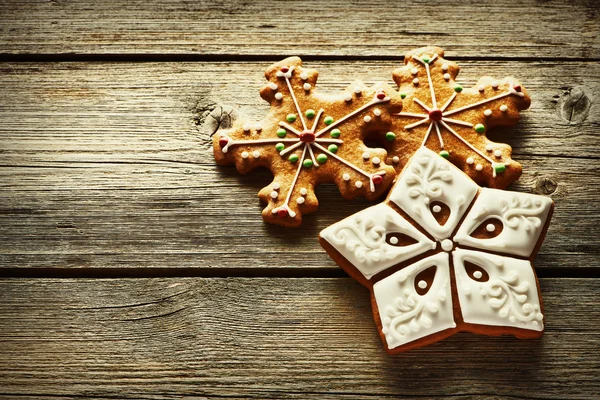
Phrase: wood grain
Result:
[272,338]
[108,165]
[506,28]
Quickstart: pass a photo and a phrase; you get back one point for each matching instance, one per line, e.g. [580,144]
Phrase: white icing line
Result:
[433,101]
[290,128]
[260,141]
[448,102]
[467,143]
[410,126]
[439,134]
[322,140]
[289,194]
[419,102]
[414,115]
[427,135]
[312,155]
[354,167]
[347,116]
[475,104]
[455,121]
[291,148]
[295,102]
[321,111]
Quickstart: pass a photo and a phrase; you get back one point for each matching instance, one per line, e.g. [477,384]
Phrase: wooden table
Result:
[134,267]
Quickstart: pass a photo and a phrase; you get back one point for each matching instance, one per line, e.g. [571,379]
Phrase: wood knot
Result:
[212,117]
[574,104]
[545,186]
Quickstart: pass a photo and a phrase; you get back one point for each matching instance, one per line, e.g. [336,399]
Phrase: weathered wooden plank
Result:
[506,28]
[103,166]
[272,338]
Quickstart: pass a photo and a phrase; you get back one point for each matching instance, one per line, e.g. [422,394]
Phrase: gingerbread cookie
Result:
[310,138]
[441,114]
[442,255]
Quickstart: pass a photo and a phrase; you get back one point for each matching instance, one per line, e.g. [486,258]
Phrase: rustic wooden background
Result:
[134,267]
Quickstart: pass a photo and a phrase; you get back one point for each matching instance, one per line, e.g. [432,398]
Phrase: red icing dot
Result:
[307,137]
[517,88]
[381,95]
[284,69]
[377,179]
[282,212]
[435,114]
[223,142]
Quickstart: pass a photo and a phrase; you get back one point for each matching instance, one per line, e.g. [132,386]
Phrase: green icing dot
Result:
[321,158]
[390,136]
[458,88]
[499,168]
[479,128]
[307,163]
[281,132]
[335,133]
[332,148]
[293,158]
[310,113]
[328,120]
[445,154]
[425,59]
[402,95]
[291,117]
[280,146]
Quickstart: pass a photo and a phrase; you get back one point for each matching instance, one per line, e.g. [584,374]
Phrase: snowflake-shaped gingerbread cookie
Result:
[447,118]
[443,255]
[310,138]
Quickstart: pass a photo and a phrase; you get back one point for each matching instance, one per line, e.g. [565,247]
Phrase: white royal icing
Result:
[429,177]
[361,239]
[508,298]
[407,316]
[523,217]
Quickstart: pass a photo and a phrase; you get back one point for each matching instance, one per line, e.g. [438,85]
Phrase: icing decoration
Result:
[495,290]
[441,113]
[311,139]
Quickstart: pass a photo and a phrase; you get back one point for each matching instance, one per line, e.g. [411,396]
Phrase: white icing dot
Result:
[489,147]
[304,76]
[358,184]
[479,167]
[246,128]
[300,200]
[244,154]
[487,112]
[376,160]
[258,127]
[436,209]
[495,84]
[498,153]
[503,108]
[348,97]
[357,90]
[477,274]
[447,245]
[447,77]
[366,155]
[490,228]
[481,88]
[470,160]
[274,211]
[377,112]
[256,154]
[274,194]
[414,71]
[278,96]
[396,159]
[539,316]
[292,214]
[444,67]
[426,200]
[303,192]
[422,284]
[394,240]
[346,177]
[367,119]
[416,81]
[272,85]
[276,186]
[307,86]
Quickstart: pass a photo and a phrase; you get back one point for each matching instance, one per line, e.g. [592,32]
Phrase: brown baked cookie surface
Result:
[452,120]
[443,255]
[309,138]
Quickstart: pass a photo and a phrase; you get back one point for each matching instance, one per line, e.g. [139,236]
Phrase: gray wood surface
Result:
[502,28]
[272,338]
[109,165]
